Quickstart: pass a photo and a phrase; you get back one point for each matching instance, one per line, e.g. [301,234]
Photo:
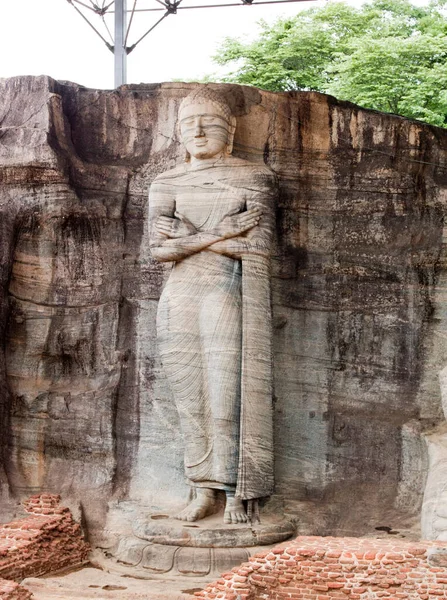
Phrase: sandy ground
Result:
[94,583]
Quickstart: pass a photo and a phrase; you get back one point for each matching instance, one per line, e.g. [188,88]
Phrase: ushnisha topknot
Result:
[206,94]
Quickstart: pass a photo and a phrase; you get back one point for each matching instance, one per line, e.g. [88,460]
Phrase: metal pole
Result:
[119,49]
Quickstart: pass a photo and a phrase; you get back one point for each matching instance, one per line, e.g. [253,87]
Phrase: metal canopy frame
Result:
[118,42]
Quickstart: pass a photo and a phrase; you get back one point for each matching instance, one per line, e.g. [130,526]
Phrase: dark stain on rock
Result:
[126,417]
[29,223]
[266,153]
[79,235]
[81,228]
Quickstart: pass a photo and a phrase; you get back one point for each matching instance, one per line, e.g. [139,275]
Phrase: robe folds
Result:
[214,326]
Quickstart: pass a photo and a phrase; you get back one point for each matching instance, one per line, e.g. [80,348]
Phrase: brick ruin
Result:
[46,540]
[328,568]
[10,590]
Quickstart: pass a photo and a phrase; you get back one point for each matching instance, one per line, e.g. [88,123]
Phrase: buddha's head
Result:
[206,124]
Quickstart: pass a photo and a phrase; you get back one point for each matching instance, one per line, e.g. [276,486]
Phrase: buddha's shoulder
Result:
[171,174]
[246,166]
[231,167]
[249,170]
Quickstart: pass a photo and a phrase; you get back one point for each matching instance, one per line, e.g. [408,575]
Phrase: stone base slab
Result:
[136,558]
[211,532]
[148,543]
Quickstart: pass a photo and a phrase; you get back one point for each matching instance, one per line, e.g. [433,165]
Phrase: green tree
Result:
[388,55]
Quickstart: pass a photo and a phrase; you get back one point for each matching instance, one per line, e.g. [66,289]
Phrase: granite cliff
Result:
[359,280]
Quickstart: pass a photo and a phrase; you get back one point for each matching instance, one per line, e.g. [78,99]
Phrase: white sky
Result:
[48,37]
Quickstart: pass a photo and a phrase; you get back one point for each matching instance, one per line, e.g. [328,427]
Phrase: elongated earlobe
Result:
[231,130]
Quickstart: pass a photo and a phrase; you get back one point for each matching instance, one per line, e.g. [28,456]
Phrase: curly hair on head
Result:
[206,94]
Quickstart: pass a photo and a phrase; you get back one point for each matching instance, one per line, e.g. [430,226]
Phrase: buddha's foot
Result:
[234,511]
[203,505]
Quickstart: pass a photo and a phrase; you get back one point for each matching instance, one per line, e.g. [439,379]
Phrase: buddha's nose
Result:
[199,130]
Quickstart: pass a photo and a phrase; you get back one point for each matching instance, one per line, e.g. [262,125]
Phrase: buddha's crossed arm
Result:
[260,194]
[173,237]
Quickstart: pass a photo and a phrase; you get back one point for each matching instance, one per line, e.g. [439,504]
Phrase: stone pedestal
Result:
[156,543]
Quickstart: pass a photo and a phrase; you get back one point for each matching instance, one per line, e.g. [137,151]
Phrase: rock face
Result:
[360,324]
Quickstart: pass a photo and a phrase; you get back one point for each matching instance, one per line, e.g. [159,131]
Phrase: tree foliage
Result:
[388,55]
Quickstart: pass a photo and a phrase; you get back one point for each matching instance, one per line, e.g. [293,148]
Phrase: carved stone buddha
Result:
[213,217]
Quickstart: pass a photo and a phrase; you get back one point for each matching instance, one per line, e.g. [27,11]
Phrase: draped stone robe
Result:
[221,382]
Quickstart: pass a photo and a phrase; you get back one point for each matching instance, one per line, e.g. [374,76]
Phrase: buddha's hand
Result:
[234,223]
[176,227]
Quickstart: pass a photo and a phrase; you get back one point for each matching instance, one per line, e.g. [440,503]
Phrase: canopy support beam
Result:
[120,51]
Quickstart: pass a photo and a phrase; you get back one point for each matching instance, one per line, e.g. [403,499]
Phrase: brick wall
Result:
[325,568]
[10,590]
[46,540]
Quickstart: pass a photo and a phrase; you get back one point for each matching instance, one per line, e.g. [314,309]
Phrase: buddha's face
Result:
[205,132]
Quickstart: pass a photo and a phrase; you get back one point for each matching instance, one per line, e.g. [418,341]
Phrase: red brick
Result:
[380,567]
[335,585]
[395,556]
[10,590]
[56,540]
[416,550]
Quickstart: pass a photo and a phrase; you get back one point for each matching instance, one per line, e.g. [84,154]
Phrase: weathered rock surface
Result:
[358,296]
